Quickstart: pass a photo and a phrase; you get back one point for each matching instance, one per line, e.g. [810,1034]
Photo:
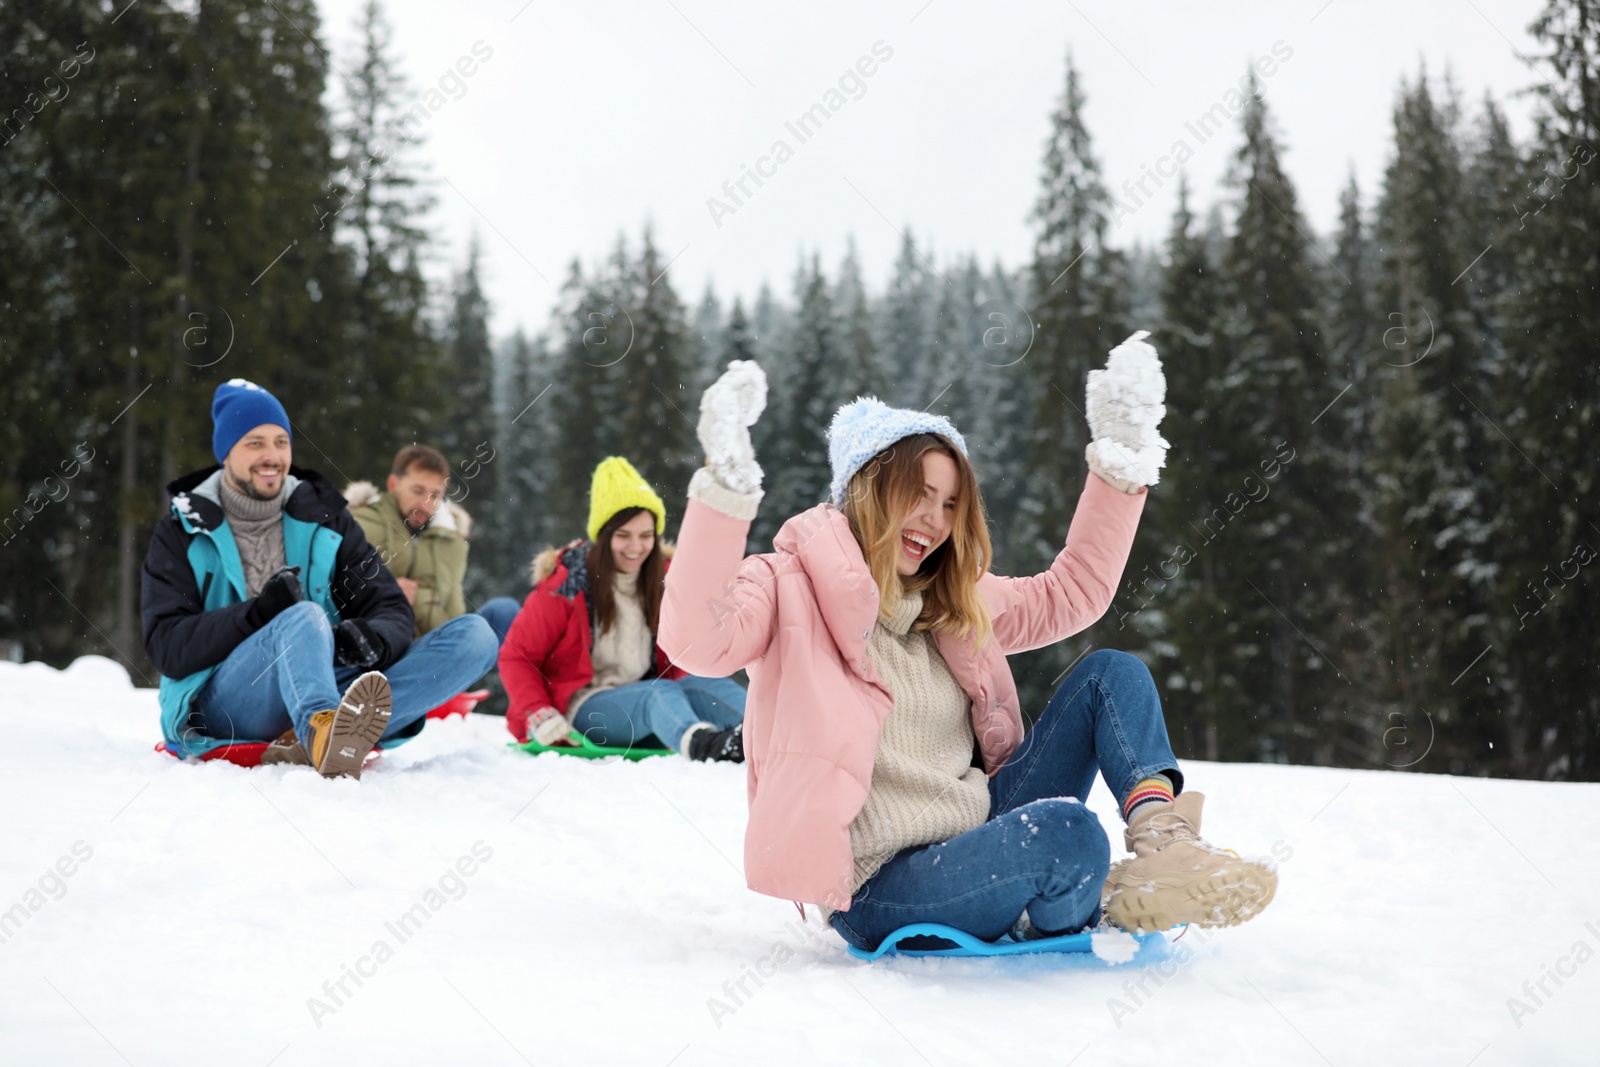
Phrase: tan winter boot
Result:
[1176,877]
[341,738]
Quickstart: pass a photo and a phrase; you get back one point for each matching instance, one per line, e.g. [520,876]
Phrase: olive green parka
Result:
[436,558]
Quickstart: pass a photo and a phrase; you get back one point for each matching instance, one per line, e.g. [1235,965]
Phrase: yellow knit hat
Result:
[616,486]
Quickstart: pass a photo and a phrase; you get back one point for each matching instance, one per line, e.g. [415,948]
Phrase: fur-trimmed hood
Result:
[544,564]
[358,494]
[451,516]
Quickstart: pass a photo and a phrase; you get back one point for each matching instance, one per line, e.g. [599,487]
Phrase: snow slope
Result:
[578,913]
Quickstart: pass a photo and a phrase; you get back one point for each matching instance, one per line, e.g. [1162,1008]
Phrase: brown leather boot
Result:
[286,749]
[342,737]
[1177,877]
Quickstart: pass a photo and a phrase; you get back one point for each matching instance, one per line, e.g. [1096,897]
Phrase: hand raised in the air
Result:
[728,409]
[1126,402]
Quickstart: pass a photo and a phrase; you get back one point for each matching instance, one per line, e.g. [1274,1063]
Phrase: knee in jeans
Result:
[1068,829]
[1118,668]
[732,694]
[479,636]
[656,694]
[305,613]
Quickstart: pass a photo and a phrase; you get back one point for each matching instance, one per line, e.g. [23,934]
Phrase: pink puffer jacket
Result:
[798,619]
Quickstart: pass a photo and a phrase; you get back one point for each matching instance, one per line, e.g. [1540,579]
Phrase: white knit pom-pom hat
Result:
[866,426]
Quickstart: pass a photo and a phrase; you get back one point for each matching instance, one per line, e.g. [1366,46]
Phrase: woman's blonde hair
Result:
[878,500]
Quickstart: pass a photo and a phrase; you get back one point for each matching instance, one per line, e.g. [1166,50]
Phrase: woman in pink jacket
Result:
[889,779]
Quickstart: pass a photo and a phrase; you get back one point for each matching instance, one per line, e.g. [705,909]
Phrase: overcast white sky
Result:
[590,118]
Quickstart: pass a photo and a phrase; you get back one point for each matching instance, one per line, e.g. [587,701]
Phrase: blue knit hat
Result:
[239,407]
[866,426]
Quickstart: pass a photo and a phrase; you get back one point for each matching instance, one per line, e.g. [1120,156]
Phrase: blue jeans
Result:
[628,714]
[501,613]
[1042,849]
[284,673]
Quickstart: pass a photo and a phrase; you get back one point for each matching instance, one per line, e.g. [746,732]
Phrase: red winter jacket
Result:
[545,657]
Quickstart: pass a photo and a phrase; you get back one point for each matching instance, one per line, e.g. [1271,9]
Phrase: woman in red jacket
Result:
[582,653]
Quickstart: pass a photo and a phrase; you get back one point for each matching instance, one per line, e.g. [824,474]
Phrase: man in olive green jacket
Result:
[422,538]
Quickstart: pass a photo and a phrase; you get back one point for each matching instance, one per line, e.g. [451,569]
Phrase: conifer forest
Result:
[1376,542]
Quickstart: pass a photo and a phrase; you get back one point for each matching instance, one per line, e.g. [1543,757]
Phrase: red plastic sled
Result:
[248,753]
[243,754]
[460,704]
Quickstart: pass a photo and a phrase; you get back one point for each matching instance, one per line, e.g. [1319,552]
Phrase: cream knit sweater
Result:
[623,654]
[924,786]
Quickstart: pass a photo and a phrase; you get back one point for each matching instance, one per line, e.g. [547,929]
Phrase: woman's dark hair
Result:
[602,570]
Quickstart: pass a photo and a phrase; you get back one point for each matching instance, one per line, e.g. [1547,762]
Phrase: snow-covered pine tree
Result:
[1074,326]
[980,340]
[1435,501]
[466,428]
[1355,326]
[1078,303]
[228,124]
[769,321]
[861,372]
[621,360]
[1363,733]
[1272,529]
[742,338]
[377,205]
[522,523]
[587,336]
[709,324]
[955,304]
[797,466]
[768,333]
[654,424]
[738,338]
[1549,588]
[999,339]
[1143,270]
[64,371]
[904,341]
[1183,601]
[1495,174]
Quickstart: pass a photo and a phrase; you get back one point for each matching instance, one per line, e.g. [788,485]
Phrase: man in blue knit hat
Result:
[271,618]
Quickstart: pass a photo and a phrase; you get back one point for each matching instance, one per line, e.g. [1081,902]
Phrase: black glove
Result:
[357,644]
[282,590]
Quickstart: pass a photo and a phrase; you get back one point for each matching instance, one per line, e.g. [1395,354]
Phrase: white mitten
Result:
[1125,406]
[727,411]
[548,727]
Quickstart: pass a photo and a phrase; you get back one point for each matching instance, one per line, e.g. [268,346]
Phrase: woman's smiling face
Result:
[929,523]
[633,541]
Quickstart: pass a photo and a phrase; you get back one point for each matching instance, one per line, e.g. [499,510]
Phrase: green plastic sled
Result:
[583,748]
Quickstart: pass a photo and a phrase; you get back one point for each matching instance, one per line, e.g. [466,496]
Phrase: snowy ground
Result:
[207,905]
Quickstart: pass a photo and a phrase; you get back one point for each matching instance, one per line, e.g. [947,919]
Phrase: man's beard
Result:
[406,517]
[248,488]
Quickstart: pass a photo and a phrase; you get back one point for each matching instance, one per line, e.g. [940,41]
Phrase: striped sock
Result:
[1154,789]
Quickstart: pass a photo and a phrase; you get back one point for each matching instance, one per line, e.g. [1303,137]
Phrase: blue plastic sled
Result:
[936,939]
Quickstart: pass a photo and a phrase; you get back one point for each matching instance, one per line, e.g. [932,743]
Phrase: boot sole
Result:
[358,723]
[1225,897]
